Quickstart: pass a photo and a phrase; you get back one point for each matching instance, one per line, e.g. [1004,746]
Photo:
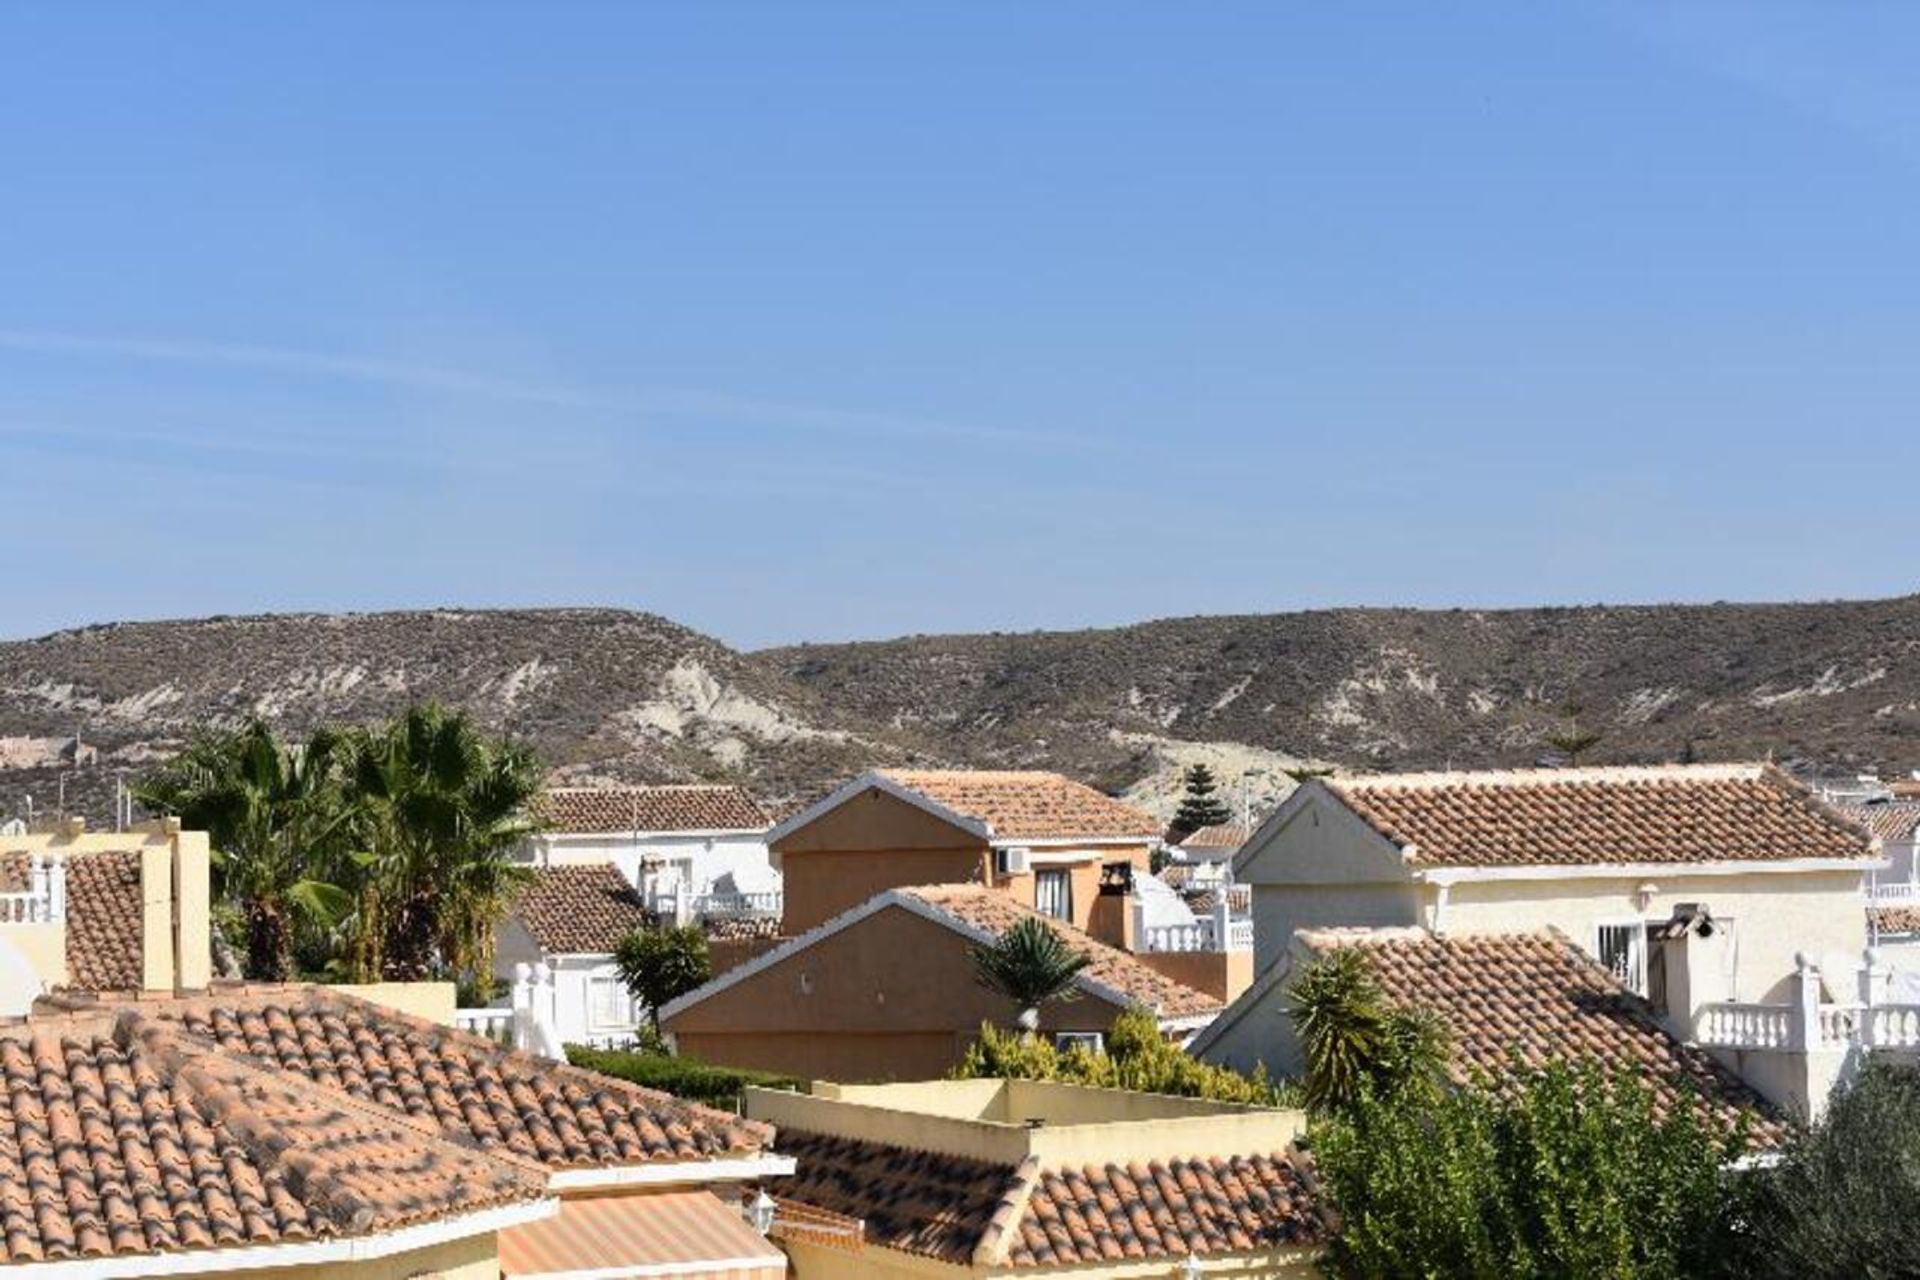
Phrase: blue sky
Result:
[823,321]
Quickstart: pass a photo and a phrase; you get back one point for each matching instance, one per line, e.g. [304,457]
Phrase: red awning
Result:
[688,1235]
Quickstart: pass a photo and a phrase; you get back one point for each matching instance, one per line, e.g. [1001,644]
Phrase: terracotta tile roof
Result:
[1239,900]
[583,910]
[473,1089]
[122,1140]
[1537,998]
[618,810]
[919,1202]
[740,928]
[1224,836]
[1168,1209]
[1566,817]
[1894,919]
[104,916]
[1894,823]
[1029,804]
[994,912]
[967,1211]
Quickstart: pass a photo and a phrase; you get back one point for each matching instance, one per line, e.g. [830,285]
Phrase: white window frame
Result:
[624,1000]
[1054,875]
[1635,980]
[1091,1041]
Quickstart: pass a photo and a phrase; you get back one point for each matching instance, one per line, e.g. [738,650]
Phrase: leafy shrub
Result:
[1570,1173]
[682,1077]
[1844,1199]
[1137,1057]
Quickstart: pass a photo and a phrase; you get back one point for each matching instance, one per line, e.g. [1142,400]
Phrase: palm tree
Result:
[441,807]
[275,817]
[659,965]
[1031,965]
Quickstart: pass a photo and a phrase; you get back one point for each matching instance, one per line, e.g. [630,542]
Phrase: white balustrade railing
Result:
[1202,935]
[1745,1026]
[44,900]
[494,1024]
[677,904]
[738,904]
[1892,1026]
[1899,891]
[1177,937]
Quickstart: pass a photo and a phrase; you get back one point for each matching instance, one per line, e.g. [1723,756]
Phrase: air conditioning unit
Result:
[1015,860]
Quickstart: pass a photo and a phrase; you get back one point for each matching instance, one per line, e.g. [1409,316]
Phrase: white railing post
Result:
[1803,1006]
[57,889]
[37,888]
[1222,918]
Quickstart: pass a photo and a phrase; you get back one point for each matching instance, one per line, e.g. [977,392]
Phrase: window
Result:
[1053,894]
[1091,1041]
[608,1002]
[1622,948]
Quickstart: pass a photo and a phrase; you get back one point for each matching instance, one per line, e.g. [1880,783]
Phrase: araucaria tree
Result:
[278,823]
[1031,965]
[1199,806]
[659,965]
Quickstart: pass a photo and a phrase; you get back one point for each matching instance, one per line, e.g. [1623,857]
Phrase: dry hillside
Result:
[607,694]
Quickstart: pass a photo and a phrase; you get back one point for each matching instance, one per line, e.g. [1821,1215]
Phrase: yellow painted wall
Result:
[1774,915]
[433,1001]
[474,1258]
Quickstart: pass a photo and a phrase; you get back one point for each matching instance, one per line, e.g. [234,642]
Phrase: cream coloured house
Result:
[121,911]
[1604,855]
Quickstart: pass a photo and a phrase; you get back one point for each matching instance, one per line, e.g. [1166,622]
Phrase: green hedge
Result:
[682,1077]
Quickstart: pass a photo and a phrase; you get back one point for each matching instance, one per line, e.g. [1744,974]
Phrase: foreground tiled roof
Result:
[1518,1001]
[1894,822]
[123,1138]
[920,1202]
[471,1088]
[1221,836]
[1029,804]
[1668,814]
[967,1211]
[618,810]
[104,916]
[994,912]
[1215,1204]
[583,910]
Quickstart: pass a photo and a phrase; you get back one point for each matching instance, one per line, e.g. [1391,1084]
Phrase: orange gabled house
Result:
[887,991]
[1043,839]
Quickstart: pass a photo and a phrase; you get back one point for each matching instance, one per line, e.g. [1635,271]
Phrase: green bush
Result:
[682,1077]
[1570,1173]
[1137,1057]
[1844,1200]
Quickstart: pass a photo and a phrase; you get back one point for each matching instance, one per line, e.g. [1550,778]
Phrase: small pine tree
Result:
[1574,741]
[1199,807]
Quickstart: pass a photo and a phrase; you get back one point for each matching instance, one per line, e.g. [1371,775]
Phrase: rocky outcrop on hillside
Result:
[601,694]
[1832,684]
[612,695]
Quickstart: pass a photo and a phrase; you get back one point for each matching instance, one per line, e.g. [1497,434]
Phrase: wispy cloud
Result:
[706,405]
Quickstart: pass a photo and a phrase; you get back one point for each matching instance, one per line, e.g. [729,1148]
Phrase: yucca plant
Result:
[1031,965]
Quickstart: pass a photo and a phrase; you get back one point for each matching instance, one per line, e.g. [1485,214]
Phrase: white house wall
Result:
[1775,915]
[713,856]
[1316,866]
